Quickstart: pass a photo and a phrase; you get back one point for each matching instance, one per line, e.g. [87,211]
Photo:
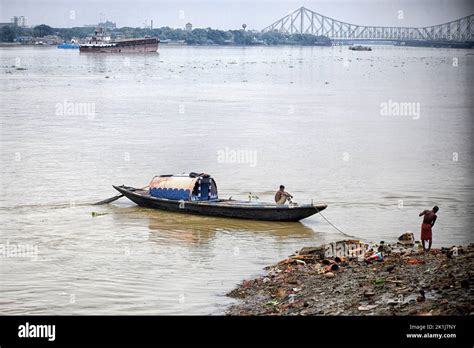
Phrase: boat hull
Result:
[138,46]
[223,208]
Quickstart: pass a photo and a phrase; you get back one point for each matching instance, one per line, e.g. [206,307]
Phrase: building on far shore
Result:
[19,21]
[47,40]
[24,39]
[107,25]
[15,21]
[189,27]
[173,42]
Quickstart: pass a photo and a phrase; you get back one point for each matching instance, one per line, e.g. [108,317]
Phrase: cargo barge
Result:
[102,43]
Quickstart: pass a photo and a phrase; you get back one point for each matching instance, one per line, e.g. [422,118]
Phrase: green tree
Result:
[273,38]
[199,36]
[217,36]
[7,34]
[42,30]
[242,37]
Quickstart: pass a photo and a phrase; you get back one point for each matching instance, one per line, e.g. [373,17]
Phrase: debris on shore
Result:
[353,278]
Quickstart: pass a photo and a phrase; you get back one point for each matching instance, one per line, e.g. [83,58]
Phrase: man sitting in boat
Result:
[281,196]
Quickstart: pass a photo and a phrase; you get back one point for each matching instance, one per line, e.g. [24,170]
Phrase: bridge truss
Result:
[304,21]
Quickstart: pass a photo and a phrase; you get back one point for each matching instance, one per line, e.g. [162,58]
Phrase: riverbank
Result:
[338,279]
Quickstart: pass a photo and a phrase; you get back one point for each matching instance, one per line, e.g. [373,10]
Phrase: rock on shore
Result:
[407,282]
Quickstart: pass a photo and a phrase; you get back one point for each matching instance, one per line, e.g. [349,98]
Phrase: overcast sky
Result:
[230,14]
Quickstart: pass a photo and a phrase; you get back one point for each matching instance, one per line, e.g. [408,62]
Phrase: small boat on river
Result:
[69,45]
[197,194]
[360,48]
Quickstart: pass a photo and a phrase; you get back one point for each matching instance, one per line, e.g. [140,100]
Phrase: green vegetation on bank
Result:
[197,36]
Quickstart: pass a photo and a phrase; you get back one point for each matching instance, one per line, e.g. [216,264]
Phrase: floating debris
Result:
[95,214]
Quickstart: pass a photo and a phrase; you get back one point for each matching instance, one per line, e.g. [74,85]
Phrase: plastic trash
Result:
[375,257]
[415,261]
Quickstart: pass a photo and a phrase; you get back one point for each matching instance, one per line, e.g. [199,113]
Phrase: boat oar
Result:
[114,198]
[109,200]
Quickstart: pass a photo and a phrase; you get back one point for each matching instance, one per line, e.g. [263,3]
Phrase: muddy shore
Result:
[403,281]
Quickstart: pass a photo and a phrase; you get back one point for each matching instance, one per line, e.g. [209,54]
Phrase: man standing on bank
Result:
[428,223]
[281,196]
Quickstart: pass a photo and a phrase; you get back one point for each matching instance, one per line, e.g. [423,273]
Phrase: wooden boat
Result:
[197,194]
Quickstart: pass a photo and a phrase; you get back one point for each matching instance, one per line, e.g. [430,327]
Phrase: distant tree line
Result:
[197,36]
[10,33]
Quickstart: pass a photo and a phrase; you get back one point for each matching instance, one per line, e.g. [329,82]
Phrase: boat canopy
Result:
[187,187]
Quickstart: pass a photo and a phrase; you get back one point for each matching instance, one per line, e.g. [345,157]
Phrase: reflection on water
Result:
[168,227]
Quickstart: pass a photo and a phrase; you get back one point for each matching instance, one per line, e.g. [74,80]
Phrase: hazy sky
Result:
[230,14]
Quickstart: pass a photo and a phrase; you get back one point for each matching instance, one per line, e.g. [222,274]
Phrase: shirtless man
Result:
[281,196]
[428,222]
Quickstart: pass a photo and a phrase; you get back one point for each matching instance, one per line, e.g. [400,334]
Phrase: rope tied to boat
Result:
[330,223]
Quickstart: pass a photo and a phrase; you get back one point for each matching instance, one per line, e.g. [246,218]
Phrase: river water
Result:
[321,120]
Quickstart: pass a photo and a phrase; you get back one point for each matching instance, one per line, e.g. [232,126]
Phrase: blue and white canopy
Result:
[187,187]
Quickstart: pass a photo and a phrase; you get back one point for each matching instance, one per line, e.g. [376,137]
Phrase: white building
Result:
[19,21]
